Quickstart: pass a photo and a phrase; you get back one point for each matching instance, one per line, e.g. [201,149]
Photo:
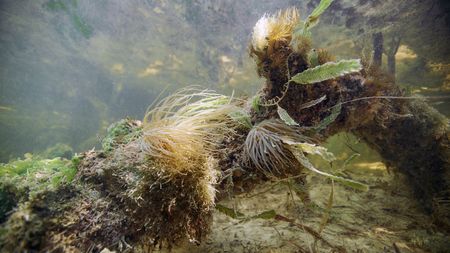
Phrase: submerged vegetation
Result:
[121,132]
[327,71]
[25,179]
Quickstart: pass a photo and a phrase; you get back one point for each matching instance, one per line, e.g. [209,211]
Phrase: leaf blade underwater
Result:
[330,118]
[321,8]
[285,117]
[304,161]
[329,70]
[312,103]
[266,215]
[229,212]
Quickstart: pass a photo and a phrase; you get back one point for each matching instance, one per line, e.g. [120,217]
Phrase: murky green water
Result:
[70,68]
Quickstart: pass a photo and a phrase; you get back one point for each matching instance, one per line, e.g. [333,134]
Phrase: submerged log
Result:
[126,196]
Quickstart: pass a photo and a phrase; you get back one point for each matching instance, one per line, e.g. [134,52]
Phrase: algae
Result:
[121,132]
[24,179]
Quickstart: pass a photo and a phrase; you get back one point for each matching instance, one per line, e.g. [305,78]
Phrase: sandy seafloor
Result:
[386,218]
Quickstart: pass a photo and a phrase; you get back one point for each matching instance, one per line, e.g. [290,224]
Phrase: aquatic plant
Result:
[302,29]
[284,116]
[301,36]
[299,148]
[327,71]
[317,72]
[335,111]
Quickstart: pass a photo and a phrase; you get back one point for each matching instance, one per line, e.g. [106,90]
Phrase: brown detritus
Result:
[324,56]
[32,221]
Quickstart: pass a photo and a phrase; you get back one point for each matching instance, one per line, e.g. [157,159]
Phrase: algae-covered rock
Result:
[121,132]
[118,198]
[23,179]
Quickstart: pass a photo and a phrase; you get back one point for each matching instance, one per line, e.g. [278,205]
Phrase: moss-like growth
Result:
[121,132]
[23,179]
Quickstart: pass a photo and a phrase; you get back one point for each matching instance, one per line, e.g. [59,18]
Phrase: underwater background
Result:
[109,142]
[70,68]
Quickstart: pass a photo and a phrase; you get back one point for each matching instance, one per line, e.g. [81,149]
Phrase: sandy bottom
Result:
[384,219]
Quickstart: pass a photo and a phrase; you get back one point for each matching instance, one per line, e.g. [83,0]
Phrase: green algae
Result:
[121,132]
[23,179]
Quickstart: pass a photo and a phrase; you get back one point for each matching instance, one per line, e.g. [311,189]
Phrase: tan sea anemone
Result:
[181,132]
[270,29]
[273,41]
[266,146]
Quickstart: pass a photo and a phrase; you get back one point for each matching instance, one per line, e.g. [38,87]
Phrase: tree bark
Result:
[391,52]
[377,49]
[391,64]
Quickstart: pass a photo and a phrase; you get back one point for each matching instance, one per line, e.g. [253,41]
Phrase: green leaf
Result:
[303,27]
[267,215]
[298,29]
[229,212]
[326,215]
[307,164]
[313,18]
[312,103]
[327,71]
[350,159]
[321,8]
[330,118]
[314,149]
[284,116]
[256,103]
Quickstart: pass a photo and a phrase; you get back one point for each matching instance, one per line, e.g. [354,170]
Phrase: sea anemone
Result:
[270,29]
[266,147]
